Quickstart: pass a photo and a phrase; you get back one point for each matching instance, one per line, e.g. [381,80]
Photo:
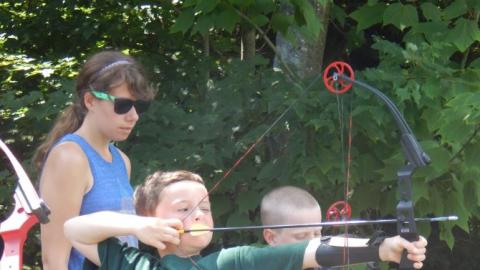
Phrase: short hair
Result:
[147,195]
[279,202]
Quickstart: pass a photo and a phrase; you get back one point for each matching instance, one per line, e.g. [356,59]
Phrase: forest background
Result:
[226,69]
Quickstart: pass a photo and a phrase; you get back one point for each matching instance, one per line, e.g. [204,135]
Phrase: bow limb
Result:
[29,209]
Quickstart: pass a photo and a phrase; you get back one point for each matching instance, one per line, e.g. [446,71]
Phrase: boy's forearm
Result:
[381,249]
[310,259]
[94,228]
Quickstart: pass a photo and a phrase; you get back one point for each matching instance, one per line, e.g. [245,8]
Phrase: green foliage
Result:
[401,16]
[203,16]
[464,34]
[429,76]
[209,111]
[367,15]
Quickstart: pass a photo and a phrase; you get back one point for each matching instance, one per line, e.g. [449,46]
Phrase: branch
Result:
[474,134]
[291,74]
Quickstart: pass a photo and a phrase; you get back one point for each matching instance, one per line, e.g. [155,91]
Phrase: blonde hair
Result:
[147,195]
[277,204]
[102,71]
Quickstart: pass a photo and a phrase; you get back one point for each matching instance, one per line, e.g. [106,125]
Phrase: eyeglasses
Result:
[122,105]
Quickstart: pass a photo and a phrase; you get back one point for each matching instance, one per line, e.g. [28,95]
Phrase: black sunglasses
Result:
[122,105]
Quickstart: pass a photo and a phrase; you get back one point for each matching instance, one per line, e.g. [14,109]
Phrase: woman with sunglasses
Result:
[82,172]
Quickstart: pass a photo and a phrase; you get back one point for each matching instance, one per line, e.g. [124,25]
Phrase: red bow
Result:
[29,209]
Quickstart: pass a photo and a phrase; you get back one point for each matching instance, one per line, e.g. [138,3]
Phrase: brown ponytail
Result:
[68,121]
[102,71]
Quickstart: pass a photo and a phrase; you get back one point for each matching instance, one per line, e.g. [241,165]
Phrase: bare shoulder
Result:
[67,153]
[67,164]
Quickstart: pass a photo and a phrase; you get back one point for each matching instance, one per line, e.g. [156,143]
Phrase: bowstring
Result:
[345,127]
[348,175]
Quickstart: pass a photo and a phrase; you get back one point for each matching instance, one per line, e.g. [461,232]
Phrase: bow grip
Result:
[407,229]
[405,263]
[406,226]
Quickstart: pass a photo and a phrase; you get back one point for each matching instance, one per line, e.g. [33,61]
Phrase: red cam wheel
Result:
[340,210]
[333,82]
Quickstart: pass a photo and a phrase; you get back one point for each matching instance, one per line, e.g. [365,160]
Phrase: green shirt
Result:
[116,256]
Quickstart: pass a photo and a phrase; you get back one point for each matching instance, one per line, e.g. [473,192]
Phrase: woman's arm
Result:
[390,250]
[65,179]
[85,232]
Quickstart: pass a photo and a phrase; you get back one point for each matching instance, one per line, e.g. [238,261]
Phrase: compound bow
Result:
[338,78]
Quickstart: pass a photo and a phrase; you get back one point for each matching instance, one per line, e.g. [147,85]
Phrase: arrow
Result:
[196,228]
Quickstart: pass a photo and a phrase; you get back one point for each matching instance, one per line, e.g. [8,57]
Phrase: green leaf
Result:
[238,219]
[453,130]
[456,9]
[363,194]
[242,3]
[420,190]
[338,14]
[464,34]
[475,4]
[470,194]
[281,22]
[264,6]
[367,16]
[313,24]
[222,205]
[269,171]
[206,6]
[227,19]
[446,233]
[189,3]
[440,158]
[260,20]
[184,21]
[433,31]
[471,156]
[454,204]
[431,12]
[401,16]
[203,25]
[247,201]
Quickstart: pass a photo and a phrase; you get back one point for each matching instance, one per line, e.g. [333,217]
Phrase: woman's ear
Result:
[88,100]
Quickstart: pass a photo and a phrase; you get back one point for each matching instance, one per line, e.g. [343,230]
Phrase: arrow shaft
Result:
[320,224]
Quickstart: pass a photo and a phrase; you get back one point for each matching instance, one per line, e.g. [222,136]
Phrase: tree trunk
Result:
[206,52]
[305,57]
[247,43]
[206,45]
